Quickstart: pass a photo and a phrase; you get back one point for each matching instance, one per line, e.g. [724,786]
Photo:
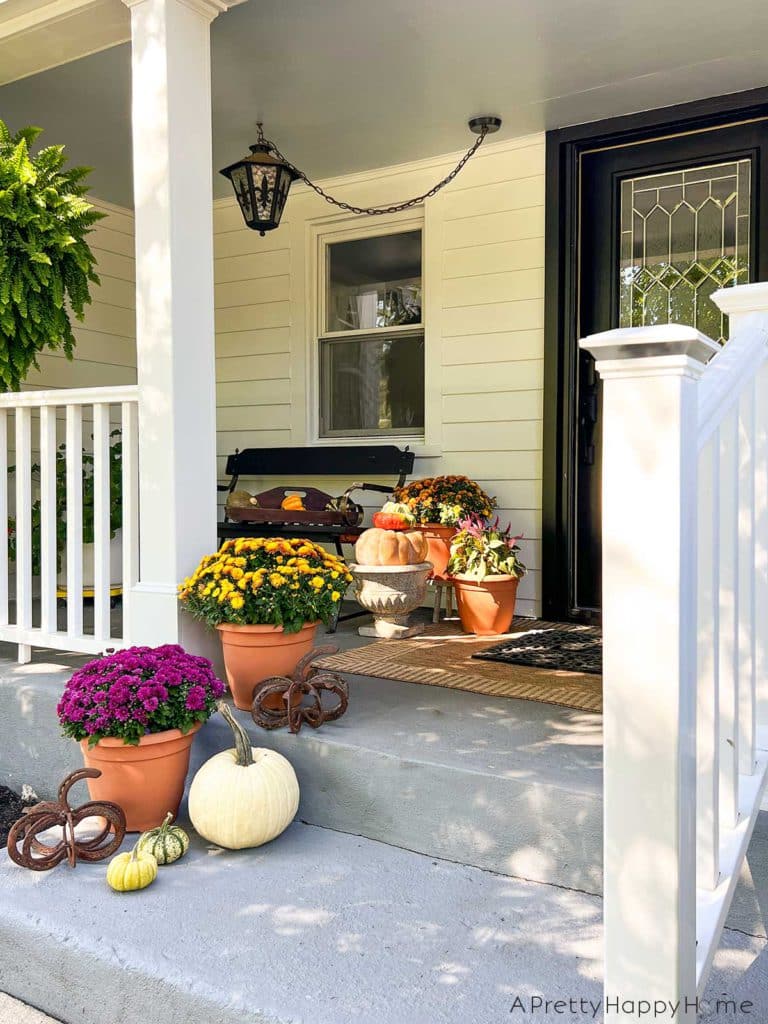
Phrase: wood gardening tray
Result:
[315,513]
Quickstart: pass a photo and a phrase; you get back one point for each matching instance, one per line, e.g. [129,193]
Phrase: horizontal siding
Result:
[494,258]
[495,348]
[273,366]
[252,317]
[256,290]
[508,225]
[498,407]
[496,197]
[252,393]
[259,342]
[473,378]
[494,317]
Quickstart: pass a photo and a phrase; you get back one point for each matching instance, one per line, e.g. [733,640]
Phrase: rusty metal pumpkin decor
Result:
[302,696]
[25,849]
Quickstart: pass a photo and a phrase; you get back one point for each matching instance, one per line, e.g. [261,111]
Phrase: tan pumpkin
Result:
[391,547]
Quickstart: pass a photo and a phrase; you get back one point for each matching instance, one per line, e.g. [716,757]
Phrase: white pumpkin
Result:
[243,797]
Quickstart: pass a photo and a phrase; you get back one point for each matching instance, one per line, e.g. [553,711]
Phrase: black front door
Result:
[661,223]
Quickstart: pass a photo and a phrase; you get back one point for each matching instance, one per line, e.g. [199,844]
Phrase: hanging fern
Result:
[45,262]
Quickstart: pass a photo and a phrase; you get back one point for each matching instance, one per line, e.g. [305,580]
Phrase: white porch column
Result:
[649,671]
[171,117]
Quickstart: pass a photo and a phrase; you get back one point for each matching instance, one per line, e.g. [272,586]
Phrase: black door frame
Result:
[564,148]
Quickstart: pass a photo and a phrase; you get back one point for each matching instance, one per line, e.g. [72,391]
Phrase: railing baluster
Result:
[74,450]
[761,554]
[101,521]
[4,517]
[40,546]
[48,519]
[708,717]
[746,583]
[24,527]
[728,662]
[130,493]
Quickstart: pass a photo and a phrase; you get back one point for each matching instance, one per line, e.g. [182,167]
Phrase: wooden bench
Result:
[352,462]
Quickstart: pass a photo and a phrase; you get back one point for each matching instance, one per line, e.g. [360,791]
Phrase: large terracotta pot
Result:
[254,653]
[147,781]
[439,544]
[488,607]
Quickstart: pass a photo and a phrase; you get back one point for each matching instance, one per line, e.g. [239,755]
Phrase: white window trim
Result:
[348,227]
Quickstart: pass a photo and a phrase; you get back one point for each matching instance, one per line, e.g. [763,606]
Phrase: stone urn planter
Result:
[391,593]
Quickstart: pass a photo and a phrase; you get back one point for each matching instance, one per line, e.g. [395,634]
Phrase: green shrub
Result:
[46,264]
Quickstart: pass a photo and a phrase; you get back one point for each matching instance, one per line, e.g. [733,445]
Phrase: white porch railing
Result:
[685,614]
[35,428]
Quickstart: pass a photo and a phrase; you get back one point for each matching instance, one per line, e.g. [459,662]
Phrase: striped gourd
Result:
[167,843]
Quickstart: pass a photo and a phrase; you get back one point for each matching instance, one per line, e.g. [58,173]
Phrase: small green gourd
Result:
[167,843]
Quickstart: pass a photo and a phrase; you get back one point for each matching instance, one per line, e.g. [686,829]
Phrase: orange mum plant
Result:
[445,499]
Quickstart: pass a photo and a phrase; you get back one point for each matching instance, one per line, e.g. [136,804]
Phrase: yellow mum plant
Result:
[263,581]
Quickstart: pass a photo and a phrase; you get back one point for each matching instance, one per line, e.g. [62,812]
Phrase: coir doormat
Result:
[562,646]
[445,656]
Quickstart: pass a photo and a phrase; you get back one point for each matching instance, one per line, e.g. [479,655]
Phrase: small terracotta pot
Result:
[147,781]
[254,653]
[486,608]
[439,544]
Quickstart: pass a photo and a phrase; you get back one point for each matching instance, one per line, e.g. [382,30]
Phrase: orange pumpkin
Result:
[292,503]
[391,547]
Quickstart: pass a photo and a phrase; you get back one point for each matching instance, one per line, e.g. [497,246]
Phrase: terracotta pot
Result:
[147,781]
[486,608]
[439,545]
[254,653]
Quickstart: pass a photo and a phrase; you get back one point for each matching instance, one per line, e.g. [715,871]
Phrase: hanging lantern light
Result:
[261,181]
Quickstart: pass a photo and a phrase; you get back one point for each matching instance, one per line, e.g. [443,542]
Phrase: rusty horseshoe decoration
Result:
[25,849]
[302,696]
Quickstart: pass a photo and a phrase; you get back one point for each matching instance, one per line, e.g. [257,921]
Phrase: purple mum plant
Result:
[137,691]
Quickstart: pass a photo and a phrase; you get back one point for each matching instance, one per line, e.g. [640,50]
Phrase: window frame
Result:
[349,229]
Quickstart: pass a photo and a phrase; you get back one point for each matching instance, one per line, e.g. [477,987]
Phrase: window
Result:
[372,345]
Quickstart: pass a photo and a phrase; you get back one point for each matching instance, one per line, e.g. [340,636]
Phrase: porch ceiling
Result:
[349,86]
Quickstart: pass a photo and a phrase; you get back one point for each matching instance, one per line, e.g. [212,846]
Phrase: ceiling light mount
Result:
[262,180]
[486,124]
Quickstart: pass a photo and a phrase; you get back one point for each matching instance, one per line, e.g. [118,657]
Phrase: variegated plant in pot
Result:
[485,571]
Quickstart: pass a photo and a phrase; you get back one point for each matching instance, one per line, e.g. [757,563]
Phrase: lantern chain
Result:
[397,207]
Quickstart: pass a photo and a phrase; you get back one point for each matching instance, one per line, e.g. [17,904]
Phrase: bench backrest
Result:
[353,461]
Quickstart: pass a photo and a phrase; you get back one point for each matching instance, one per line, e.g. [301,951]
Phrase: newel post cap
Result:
[743,298]
[664,347]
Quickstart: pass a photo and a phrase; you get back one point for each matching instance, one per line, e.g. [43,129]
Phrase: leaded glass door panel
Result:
[684,234]
[663,225]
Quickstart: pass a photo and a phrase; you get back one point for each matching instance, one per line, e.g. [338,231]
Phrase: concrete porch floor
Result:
[327,927]
[317,928]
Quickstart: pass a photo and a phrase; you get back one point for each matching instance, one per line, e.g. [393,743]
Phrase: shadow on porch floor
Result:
[382,770]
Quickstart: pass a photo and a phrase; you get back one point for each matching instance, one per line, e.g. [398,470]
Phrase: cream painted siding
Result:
[106,341]
[484,312]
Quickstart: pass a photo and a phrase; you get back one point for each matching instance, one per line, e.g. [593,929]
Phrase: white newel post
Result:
[171,118]
[650,380]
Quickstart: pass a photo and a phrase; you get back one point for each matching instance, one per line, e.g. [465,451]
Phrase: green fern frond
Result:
[46,265]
